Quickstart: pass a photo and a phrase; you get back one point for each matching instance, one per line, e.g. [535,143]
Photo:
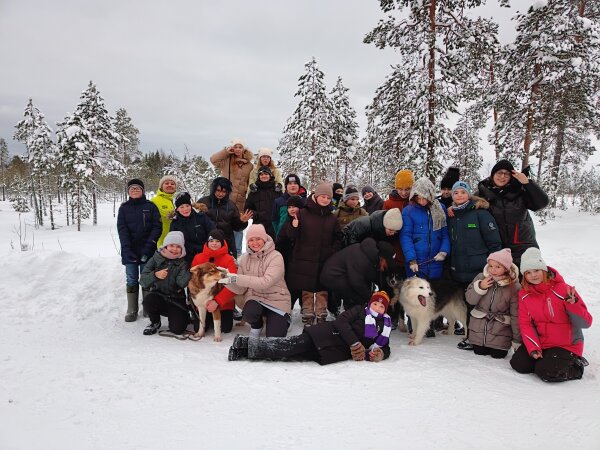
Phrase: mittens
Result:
[376,355]
[358,352]
[229,279]
[253,187]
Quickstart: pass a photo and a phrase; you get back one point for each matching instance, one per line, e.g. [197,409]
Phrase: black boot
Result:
[152,328]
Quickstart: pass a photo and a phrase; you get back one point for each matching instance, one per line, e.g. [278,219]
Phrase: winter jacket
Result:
[139,227]
[547,320]
[221,258]
[420,243]
[494,321]
[172,287]
[345,214]
[225,214]
[510,206]
[280,214]
[395,201]
[261,202]
[473,236]
[375,203]
[237,170]
[333,339]
[316,238]
[260,278]
[195,229]
[354,267]
[447,202]
[274,170]
[164,203]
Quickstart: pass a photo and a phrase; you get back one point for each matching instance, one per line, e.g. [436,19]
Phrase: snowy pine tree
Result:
[344,132]
[3,164]
[466,155]
[194,174]
[128,144]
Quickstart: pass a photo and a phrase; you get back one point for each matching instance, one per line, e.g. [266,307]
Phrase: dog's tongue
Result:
[422,300]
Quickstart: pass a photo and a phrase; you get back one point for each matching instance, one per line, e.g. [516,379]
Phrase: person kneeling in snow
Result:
[361,333]
[166,276]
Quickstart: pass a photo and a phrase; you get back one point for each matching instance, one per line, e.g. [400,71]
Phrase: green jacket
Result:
[177,279]
[164,203]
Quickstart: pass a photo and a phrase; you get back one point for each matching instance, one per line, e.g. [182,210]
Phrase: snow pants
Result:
[297,347]
[493,352]
[556,364]
[157,305]
[277,325]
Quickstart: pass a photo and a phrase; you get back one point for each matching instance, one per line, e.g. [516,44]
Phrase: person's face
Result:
[185,210]
[293,210]
[169,187]
[421,200]
[220,193]
[403,192]
[389,232]
[265,160]
[238,150]
[446,192]
[264,177]
[292,188]
[339,191]
[460,196]
[214,244]
[352,202]
[368,195]
[323,200]
[255,244]
[535,276]
[135,192]
[501,178]
[174,249]
[496,269]
[378,307]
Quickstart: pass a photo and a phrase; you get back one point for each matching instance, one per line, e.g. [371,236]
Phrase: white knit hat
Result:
[174,237]
[166,178]
[265,151]
[392,220]
[532,260]
[235,141]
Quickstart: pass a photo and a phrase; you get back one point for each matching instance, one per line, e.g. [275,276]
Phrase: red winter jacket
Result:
[221,258]
[547,320]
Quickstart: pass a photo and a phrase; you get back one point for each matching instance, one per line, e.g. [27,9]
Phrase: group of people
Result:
[327,251]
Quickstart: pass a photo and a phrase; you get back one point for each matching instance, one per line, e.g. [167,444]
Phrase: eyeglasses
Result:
[135,189]
[503,173]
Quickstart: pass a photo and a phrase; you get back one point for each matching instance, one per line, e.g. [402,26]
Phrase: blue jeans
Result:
[132,273]
[239,238]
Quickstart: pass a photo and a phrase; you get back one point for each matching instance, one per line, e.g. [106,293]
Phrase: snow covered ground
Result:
[75,375]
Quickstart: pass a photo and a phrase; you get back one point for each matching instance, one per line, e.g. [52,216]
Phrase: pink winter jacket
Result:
[260,277]
[547,320]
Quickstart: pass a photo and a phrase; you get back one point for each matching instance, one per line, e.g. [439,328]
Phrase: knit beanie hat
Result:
[451,176]
[216,234]
[380,296]
[295,200]
[503,164]
[392,219]
[462,185]
[183,199]
[292,178]
[136,182]
[366,189]
[174,237]
[504,257]
[404,179]
[386,250]
[166,178]
[223,183]
[265,169]
[336,186]
[532,260]
[350,192]
[324,188]
[257,231]
[265,151]
[235,141]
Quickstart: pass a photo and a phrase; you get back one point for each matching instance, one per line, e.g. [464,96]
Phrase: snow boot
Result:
[239,348]
[152,328]
[133,293]
[464,345]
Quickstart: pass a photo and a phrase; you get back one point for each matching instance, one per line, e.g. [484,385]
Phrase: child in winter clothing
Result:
[494,295]
[361,333]
[265,159]
[164,202]
[551,317]
[400,195]
[195,226]
[451,176]
[166,276]
[261,199]
[349,207]
[216,251]
[280,214]
[373,202]
[338,193]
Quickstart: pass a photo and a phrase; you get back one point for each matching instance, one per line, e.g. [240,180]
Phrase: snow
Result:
[539,4]
[75,375]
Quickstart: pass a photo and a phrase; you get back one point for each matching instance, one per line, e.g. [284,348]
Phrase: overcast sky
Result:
[195,73]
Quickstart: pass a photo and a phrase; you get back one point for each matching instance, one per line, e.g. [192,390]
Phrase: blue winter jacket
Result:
[420,243]
[139,226]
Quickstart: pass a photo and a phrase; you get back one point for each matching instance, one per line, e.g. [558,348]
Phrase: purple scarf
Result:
[381,340]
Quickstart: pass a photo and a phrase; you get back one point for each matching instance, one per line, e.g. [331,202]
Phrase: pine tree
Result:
[467,153]
[3,164]
[193,174]
[128,144]
[344,131]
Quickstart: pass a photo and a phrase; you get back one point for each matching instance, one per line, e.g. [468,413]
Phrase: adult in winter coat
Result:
[473,234]
[399,196]
[349,207]
[260,280]
[195,226]
[424,235]
[261,199]
[361,333]
[223,212]
[265,159]
[280,208]
[139,227]
[451,176]
[216,251]
[351,272]
[511,195]
[164,202]
[381,225]
[551,317]
[165,276]
[373,202]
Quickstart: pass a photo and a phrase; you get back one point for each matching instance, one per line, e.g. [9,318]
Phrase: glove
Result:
[253,187]
[414,266]
[358,352]
[144,258]
[440,256]
[229,279]
[376,355]
[278,187]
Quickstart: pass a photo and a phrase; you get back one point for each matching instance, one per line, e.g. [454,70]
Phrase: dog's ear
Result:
[195,269]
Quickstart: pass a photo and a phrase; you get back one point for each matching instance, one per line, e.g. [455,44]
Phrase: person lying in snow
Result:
[361,333]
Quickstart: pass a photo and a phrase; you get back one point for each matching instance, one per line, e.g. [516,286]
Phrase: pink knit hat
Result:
[504,257]
[257,231]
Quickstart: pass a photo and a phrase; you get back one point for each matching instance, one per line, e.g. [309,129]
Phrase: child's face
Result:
[264,177]
[352,202]
[135,192]
[293,210]
[403,192]
[292,188]
[378,307]
[446,192]
[214,244]
[265,160]
[174,249]
[422,201]
[368,195]
[323,200]
[460,196]
[535,276]
[185,210]
[496,269]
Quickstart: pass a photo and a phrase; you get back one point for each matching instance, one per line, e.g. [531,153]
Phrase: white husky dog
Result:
[424,301]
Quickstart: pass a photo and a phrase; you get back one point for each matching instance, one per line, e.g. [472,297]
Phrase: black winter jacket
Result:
[261,202]
[195,229]
[139,227]
[375,203]
[368,226]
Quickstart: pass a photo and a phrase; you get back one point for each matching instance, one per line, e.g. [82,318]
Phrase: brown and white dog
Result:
[203,286]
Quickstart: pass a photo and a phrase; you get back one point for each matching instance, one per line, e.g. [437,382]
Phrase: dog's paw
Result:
[217,339]
[411,342]
[446,332]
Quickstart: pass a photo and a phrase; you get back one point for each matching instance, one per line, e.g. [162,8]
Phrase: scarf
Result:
[381,340]
[167,254]
[463,206]
[438,216]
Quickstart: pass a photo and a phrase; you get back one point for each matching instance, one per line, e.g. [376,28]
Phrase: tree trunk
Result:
[39,221]
[67,208]
[542,154]
[79,207]
[431,95]
[52,224]
[556,161]
[530,114]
